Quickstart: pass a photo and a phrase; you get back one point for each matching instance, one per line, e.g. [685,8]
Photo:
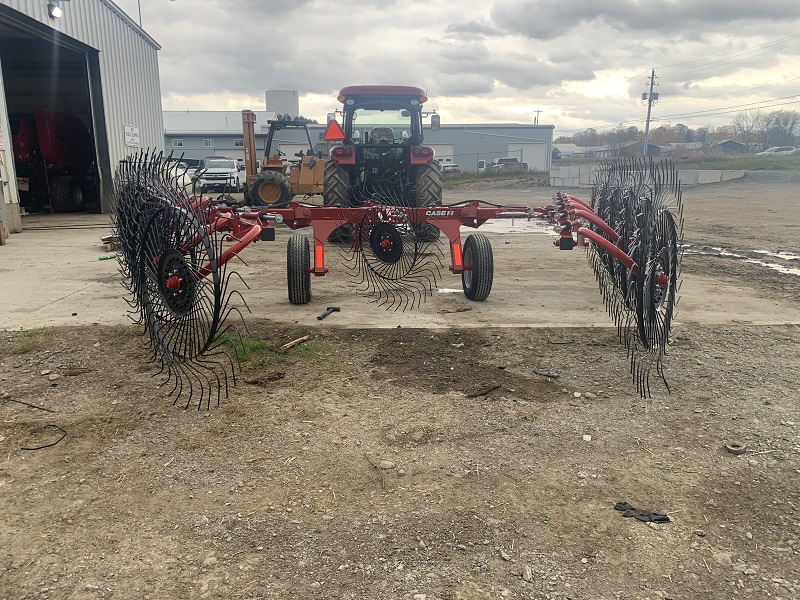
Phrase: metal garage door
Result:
[537,155]
[443,152]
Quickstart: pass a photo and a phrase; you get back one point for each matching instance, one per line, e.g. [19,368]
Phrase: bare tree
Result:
[778,128]
[747,125]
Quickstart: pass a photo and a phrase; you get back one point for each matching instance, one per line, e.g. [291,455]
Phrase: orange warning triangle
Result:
[334,132]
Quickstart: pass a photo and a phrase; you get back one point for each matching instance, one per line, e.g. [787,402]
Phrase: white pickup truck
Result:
[220,174]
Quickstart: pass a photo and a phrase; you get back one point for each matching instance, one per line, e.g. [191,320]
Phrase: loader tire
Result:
[428,193]
[270,188]
[336,192]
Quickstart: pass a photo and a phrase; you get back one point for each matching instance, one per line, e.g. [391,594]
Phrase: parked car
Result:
[451,169]
[777,151]
[509,164]
[220,174]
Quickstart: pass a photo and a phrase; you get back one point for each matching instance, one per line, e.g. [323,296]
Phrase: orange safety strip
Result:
[457,254]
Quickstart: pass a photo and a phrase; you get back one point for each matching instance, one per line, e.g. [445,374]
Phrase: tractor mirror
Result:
[435,122]
[405,113]
[331,117]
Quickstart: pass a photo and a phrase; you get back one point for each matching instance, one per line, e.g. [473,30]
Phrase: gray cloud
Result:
[471,30]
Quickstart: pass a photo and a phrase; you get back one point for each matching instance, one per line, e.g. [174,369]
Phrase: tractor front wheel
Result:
[476,279]
[270,188]
[336,192]
[429,193]
[298,271]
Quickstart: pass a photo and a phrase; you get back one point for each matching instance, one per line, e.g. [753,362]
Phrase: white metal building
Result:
[86,58]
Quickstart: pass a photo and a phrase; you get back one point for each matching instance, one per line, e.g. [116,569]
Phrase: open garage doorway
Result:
[52,104]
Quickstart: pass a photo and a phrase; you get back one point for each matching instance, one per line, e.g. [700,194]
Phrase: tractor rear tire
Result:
[478,255]
[67,194]
[429,193]
[298,273]
[336,192]
[270,188]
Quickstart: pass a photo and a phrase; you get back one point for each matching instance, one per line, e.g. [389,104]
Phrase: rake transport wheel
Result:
[336,192]
[298,271]
[428,193]
[476,279]
[181,294]
[270,188]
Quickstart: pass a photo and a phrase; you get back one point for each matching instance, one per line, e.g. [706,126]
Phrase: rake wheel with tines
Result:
[637,262]
[390,261]
[170,257]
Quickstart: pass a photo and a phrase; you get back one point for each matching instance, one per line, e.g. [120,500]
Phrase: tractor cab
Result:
[382,150]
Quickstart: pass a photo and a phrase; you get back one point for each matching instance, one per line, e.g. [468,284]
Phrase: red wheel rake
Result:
[175,248]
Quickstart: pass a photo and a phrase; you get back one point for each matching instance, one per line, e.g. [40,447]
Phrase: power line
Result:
[723,63]
[756,87]
[764,45]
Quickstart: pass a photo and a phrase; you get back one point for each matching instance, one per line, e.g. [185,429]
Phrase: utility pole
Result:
[536,118]
[651,98]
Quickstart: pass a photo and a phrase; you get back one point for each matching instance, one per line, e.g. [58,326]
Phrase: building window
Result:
[238,143]
[208,143]
[177,143]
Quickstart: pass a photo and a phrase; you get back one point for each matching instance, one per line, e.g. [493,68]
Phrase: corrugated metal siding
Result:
[128,66]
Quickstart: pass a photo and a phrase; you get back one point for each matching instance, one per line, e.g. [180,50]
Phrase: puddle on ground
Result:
[753,257]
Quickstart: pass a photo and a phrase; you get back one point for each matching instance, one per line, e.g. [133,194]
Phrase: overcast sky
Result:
[582,63]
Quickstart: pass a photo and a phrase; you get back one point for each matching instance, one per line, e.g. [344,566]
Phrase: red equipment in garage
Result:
[53,155]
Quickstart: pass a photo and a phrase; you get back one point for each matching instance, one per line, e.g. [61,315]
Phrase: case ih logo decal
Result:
[439,213]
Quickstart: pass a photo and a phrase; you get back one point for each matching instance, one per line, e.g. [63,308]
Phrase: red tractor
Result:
[382,158]
[53,154]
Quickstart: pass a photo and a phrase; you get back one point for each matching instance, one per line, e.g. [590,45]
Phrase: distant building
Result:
[198,134]
[682,148]
[637,148]
[566,151]
[731,146]
[600,151]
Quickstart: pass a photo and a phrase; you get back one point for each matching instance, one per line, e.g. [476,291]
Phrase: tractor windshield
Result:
[390,126]
[377,123]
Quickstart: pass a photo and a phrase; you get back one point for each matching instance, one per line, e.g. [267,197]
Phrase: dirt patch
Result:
[414,462]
